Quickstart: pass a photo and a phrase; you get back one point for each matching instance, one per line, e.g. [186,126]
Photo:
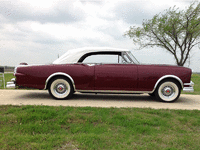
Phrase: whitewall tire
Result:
[60,88]
[168,91]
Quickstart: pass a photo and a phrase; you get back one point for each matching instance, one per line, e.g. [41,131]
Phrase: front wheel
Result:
[60,88]
[168,91]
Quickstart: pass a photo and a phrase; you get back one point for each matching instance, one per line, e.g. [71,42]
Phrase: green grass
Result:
[47,127]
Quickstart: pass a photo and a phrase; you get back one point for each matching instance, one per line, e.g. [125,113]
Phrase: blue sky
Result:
[36,31]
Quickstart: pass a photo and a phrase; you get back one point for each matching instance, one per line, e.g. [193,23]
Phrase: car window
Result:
[105,59]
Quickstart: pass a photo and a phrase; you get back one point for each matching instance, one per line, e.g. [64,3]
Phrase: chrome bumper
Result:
[189,88]
[11,84]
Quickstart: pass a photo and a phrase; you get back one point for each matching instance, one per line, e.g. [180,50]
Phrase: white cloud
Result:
[36,31]
[42,11]
[39,4]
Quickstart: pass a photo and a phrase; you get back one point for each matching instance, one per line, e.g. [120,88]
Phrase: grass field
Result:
[46,127]
[195,79]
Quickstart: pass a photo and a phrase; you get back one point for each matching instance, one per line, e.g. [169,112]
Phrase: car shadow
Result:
[125,97]
[112,97]
[90,96]
[35,95]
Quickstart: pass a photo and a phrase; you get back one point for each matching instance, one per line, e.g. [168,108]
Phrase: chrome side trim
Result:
[168,76]
[59,73]
[114,91]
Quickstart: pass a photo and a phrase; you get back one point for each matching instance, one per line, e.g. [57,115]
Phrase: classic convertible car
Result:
[103,70]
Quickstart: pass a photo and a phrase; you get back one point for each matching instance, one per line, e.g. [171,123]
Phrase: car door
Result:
[120,77]
[82,74]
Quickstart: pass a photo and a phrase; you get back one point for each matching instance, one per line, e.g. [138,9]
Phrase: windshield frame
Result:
[130,57]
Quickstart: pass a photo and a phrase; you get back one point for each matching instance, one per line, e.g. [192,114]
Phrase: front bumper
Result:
[11,84]
[189,87]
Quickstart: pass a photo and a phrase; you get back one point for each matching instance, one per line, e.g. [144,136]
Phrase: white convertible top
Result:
[73,55]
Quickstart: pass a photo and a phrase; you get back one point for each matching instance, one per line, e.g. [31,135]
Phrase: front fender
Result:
[168,77]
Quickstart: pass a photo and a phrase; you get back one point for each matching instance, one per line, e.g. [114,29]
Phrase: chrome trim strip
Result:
[59,73]
[113,91]
[168,76]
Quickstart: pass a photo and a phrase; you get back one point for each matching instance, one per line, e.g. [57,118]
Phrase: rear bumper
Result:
[11,84]
[189,87]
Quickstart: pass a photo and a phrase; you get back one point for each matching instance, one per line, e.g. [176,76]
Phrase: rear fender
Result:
[59,74]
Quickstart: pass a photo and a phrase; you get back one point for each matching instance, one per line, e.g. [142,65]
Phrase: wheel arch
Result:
[62,74]
[168,77]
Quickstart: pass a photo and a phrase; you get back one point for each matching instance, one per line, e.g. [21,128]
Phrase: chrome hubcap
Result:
[167,91]
[60,88]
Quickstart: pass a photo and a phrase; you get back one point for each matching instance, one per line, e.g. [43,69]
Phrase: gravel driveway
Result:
[41,97]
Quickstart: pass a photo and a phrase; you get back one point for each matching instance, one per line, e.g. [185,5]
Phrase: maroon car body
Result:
[128,77]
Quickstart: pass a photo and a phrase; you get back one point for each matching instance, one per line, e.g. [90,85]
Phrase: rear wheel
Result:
[168,91]
[60,88]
